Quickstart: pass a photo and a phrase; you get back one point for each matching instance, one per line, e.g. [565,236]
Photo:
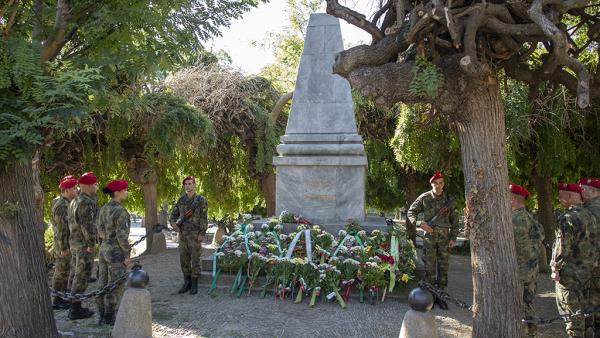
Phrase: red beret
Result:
[88,178]
[117,185]
[519,190]
[67,182]
[572,187]
[435,176]
[592,182]
[187,179]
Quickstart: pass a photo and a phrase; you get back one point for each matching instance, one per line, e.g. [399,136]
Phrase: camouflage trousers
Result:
[569,300]
[190,252]
[529,285]
[81,265]
[436,253]
[60,279]
[595,299]
[110,268]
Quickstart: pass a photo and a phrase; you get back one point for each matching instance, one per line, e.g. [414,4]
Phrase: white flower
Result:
[375,259]
[342,233]
[279,227]
[351,261]
[335,243]
[249,227]
[265,226]
[238,227]
[238,253]
[220,254]
[343,249]
[282,237]
[371,264]
[362,233]
[250,235]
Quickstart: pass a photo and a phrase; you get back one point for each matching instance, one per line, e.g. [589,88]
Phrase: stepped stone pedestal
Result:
[321,164]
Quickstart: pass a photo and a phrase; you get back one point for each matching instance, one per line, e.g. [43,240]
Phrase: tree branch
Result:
[354,18]
[382,52]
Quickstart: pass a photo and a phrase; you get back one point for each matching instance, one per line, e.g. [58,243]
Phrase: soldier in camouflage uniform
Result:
[60,225]
[591,196]
[83,211]
[528,235]
[438,208]
[571,260]
[113,230]
[189,217]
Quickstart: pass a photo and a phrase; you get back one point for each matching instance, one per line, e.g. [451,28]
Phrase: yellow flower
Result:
[404,278]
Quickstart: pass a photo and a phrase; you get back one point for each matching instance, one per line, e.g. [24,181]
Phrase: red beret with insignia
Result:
[436,175]
[187,179]
[67,182]
[592,182]
[519,190]
[572,187]
[88,178]
[117,185]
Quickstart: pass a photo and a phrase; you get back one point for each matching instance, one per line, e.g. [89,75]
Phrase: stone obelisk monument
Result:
[321,163]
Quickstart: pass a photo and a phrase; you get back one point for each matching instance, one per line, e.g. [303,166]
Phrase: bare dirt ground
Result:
[224,315]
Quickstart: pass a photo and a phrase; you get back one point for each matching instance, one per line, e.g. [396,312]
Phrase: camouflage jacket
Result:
[83,211]
[198,221]
[528,237]
[429,204]
[60,224]
[572,254]
[594,207]
[113,228]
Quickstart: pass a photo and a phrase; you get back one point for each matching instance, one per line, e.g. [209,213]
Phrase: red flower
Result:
[385,246]
[386,259]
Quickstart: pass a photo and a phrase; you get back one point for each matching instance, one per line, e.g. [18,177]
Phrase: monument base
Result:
[369,224]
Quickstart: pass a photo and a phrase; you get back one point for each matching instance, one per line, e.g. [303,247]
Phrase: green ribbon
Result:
[358,240]
[396,254]
[245,227]
[272,233]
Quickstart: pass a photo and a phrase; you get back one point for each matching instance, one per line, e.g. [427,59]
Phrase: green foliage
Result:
[425,145]
[426,79]
[383,189]
[33,99]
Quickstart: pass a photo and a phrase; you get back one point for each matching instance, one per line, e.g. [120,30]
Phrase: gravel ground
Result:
[223,315]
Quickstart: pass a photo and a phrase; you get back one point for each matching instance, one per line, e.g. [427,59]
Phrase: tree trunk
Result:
[26,309]
[151,219]
[543,186]
[267,187]
[481,132]
[143,173]
[38,194]
[411,196]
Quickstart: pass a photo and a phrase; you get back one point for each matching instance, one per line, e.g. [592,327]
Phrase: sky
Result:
[254,26]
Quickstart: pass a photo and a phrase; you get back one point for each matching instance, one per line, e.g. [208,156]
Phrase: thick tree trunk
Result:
[143,173]
[267,187]
[493,257]
[543,186]
[26,310]
[38,194]
[154,243]
[411,196]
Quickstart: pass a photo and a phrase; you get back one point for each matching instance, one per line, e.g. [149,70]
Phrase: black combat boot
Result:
[101,316]
[187,284]
[194,286]
[109,318]
[78,312]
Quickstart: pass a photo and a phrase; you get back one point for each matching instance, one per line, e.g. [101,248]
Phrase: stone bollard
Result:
[134,318]
[419,322]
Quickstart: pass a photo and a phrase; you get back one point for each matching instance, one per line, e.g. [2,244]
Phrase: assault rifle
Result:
[189,212]
[442,212]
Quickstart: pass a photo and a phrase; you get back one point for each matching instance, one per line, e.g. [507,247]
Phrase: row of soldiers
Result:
[79,224]
[575,254]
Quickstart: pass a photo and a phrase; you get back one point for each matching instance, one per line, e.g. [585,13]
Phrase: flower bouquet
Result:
[330,277]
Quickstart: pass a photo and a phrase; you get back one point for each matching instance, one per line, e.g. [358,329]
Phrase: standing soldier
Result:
[571,260]
[113,230]
[82,225]
[189,217]
[441,228]
[591,196]
[60,225]
[528,237]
